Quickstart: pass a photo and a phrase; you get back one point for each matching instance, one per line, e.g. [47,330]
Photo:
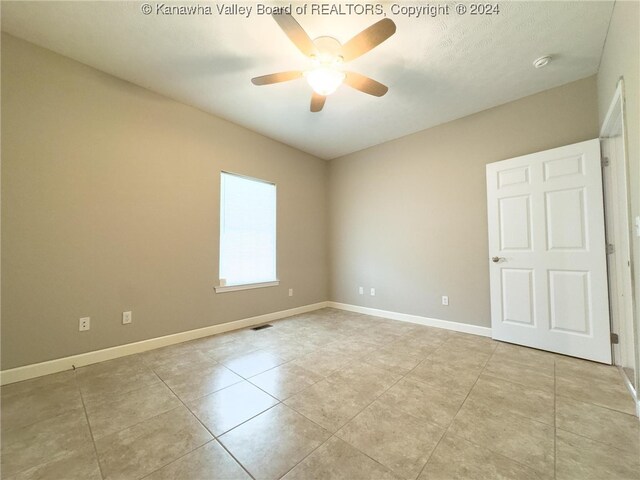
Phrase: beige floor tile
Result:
[290,350]
[324,362]
[418,347]
[525,356]
[159,356]
[458,354]
[285,380]
[209,462]
[337,460]
[503,396]
[379,337]
[579,458]
[330,405]
[468,342]
[38,384]
[206,344]
[429,333]
[365,378]
[355,348]
[393,360]
[45,441]
[574,367]
[605,392]
[514,436]
[116,376]
[128,364]
[319,339]
[423,401]
[532,375]
[149,445]
[272,443]
[225,409]
[114,412]
[192,384]
[443,375]
[617,429]
[35,400]
[179,361]
[79,466]
[399,441]
[456,458]
[227,350]
[253,363]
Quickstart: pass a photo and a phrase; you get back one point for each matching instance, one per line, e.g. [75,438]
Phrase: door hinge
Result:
[605,161]
[610,248]
[614,338]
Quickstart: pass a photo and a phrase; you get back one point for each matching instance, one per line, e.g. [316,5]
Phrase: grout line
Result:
[611,409]
[333,434]
[457,412]
[310,453]
[402,377]
[215,438]
[178,458]
[608,445]
[86,416]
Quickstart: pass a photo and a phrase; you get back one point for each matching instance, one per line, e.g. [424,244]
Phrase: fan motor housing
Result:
[328,45]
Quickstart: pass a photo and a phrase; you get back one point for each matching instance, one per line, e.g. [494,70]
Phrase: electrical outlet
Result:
[126,318]
[84,324]
[373,292]
[445,300]
[291,292]
[361,290]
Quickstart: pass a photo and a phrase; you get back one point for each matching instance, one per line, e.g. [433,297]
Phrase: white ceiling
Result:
[437,69]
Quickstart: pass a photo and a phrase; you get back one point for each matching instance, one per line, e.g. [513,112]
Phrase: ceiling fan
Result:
[327,57]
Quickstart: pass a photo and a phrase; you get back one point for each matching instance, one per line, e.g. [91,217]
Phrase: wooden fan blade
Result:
[317,102]
[368,38]
[365,84]
[296,34]
[276,78]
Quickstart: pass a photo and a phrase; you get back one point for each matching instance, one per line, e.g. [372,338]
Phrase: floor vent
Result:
[260,327]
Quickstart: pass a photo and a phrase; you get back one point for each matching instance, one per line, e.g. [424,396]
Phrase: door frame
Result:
[621,292]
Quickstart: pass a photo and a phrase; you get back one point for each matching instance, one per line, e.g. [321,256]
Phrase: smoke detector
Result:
[542,61]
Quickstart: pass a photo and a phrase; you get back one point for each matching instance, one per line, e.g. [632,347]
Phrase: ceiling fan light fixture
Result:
[324,80]
[325,74]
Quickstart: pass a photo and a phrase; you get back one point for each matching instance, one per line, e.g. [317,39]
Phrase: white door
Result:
[548,269]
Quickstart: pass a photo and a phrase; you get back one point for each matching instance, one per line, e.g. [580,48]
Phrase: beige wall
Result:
[110,198]
[409,217]
[621,58]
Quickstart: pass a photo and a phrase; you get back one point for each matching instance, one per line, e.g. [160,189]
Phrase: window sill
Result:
[246,286]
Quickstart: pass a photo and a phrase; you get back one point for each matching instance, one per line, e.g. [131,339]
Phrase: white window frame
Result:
[221,287]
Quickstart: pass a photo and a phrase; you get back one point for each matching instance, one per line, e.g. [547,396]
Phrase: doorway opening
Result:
[618,236]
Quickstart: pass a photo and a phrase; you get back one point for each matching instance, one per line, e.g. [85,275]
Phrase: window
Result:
[247,233]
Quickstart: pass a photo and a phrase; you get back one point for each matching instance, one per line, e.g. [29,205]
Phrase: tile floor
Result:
[325,395]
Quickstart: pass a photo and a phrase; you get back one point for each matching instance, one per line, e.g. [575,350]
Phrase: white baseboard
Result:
[404,317]
[60,364]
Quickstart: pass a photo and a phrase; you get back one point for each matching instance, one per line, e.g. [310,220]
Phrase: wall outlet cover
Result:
[126,318]
[84,324]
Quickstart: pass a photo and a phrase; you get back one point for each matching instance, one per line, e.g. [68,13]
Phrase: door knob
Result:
[496,259]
